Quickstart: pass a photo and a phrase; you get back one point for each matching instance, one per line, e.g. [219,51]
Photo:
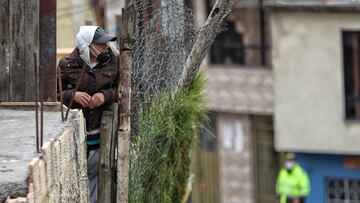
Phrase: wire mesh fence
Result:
[164,117]
[165,34]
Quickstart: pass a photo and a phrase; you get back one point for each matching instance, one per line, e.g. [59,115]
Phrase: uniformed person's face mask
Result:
[289,164]
[101,57]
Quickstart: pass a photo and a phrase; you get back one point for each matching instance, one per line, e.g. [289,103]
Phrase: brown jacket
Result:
[99,79]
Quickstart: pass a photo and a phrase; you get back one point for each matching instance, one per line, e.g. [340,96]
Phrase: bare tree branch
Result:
[205,38]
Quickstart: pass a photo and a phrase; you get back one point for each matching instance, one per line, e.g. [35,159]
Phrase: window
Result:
[342,190]
[351,45]
[244,41]
[228,47]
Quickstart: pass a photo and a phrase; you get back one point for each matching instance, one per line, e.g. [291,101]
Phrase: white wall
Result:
[308,74]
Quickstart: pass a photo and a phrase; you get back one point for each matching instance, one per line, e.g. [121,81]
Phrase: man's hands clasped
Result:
[85,100]
[97,100]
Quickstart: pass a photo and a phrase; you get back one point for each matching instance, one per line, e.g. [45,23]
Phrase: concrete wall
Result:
[308,72]
[59,174]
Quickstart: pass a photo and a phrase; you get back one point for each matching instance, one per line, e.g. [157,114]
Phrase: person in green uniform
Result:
[292,185]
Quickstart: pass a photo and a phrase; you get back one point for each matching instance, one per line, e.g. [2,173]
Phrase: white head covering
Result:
[83,39]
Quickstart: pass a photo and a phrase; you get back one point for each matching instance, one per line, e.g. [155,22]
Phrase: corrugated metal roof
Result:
[240,90]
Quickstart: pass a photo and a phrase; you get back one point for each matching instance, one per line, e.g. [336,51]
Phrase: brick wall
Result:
[59,174]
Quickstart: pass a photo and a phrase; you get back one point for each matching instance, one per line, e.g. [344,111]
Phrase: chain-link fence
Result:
[165,34]
[164,116]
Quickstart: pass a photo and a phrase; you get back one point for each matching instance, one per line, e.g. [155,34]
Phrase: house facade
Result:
[235,160]
[315,55]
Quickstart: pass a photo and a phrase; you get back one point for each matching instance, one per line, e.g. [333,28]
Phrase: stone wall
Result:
[59,174]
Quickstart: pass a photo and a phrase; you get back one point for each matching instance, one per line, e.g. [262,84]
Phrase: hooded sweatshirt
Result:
[83,39]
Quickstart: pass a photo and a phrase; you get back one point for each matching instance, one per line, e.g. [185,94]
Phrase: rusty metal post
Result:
[45,66]
[58,72]
[47,62]
[38,120]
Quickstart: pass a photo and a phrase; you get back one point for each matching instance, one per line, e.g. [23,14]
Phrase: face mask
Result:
[289,165]
[102,58]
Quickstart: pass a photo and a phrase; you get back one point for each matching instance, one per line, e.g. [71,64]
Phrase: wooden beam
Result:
[17,50]
[123,167]
[124,91]
[47,60]
[4,50]
[48,106]
[124,99]
[113,152]
[124,130]
[105,175]
[32,45]
[28,103]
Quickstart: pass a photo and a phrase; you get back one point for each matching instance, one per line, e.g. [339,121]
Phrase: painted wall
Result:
[308,72]
[321,166]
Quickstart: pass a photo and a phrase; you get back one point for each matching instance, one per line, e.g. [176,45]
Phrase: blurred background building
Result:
[315,49]
[71,14]
[236,160]
[309,84]
[284,76]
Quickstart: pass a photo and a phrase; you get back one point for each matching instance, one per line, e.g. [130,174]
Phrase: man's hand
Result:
[97,100]
[82,98]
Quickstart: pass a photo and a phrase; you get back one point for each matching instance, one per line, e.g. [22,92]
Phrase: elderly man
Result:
[89,78]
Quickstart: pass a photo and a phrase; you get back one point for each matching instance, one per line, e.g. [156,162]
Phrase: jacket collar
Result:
[75,57]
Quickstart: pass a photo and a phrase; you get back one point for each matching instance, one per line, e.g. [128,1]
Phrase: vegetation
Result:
[160,156]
